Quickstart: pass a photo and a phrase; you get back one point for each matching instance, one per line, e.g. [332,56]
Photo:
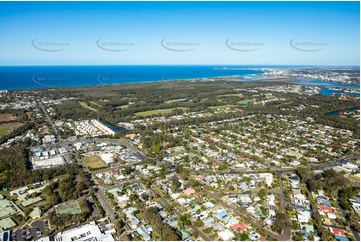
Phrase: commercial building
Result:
[47,162]
[88,232]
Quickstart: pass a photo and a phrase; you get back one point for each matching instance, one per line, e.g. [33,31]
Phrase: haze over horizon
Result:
[174,33]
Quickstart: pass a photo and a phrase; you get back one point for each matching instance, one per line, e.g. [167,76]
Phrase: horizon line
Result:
[40,65]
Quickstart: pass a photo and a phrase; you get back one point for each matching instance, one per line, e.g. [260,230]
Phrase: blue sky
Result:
[66,33]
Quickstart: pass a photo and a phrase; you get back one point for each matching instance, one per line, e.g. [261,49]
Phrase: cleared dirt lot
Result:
[7,117]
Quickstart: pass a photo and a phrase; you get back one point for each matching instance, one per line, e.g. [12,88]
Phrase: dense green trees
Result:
[61,221]
[15,168]
[354,220]
[345,194]
[199,223]
[68,188]
[185,220]
[329,180]
[280,222]
[167,233]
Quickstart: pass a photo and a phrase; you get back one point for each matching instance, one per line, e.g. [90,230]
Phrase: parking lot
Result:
[36,231]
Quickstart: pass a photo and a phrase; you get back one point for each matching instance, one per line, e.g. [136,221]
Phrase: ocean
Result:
[36,77]
[33,77]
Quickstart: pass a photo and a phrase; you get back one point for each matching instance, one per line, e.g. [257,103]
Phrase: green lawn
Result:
[84,105]
[123,106]
[222,106]
[285,103]
[232,95]
[158,111]
[95,103]
[270,96]
[6,129]
[94,162]
[246,101]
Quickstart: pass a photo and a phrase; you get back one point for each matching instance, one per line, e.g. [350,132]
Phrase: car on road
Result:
[23,232]
[13,236]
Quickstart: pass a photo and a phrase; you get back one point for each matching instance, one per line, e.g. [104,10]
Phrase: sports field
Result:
[94,162]
[232,95]
[159,111]
[71,207]
[84,105]
[7,128]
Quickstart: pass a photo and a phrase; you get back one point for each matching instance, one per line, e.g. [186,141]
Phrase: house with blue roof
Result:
[341,238]
[305,233]
[243,186]
[222,215]
[326,203]
[218,227]
[208,222]
[144,233]
[184,233]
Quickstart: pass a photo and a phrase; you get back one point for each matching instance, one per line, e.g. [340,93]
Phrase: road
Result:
[100,193]
[49,121]
[115,167]
[136,152]
[195,229]
[106,206]
[341,161]
[287,231]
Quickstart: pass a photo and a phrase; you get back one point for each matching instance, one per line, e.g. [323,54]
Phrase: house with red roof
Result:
[239,227]
[327,209]
[337,231]
[189,191]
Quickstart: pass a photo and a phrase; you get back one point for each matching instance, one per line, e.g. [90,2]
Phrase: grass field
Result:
[5,131]
[94,162]
[123,106]
[295,154]
[355,177]
[84,105]
[71,207]
[270,96]
[283,104]
[232,95]
[176,101]
[246,101]
[7,128]
[95,104]
[157,111]
[222,106]
[7,117]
